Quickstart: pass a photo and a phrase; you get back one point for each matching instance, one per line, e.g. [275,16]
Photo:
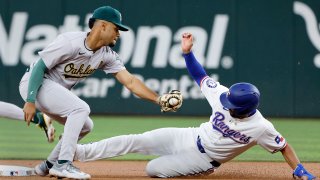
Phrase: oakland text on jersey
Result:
[80,72]
[220,126]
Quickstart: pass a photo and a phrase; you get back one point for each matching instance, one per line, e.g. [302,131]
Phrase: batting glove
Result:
[301,171]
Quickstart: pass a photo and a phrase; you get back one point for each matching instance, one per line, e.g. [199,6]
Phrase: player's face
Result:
[110,33]
[233,114]
[231,111]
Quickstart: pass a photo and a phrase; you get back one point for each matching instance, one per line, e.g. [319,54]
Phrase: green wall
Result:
[270,43]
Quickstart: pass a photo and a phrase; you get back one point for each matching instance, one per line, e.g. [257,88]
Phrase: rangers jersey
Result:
[224,137]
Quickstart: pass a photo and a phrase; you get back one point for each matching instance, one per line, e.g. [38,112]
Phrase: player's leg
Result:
[88,126]
[67,109]
[14,112]
[11,111]
[54,99]
[43,168]
[188,163]
[176,146]
[72,172]
[156,142]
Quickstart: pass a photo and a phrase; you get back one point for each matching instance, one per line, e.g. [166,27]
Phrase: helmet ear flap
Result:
[91,22]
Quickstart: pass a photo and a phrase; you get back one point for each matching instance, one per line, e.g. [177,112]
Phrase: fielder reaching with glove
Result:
[70,58]
[234,126]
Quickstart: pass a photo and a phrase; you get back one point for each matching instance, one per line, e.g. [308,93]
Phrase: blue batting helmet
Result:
[242,98]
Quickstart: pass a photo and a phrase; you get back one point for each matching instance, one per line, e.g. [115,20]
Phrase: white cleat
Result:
[42,169]
[45,123]
[67,170]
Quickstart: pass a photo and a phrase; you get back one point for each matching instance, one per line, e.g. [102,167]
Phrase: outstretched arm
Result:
[292,159]
[136,86]
[195,69]
[140,89]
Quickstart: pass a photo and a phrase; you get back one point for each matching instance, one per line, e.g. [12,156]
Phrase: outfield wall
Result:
[273,44]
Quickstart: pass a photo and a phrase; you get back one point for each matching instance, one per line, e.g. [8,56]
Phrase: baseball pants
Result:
[12,111]
[179,154]
[65,107]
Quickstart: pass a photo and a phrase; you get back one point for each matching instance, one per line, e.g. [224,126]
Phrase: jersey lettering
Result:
[224,129]
[72,72]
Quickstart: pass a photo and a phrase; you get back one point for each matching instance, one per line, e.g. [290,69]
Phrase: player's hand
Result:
[29,110]
[301,173]
[186,42]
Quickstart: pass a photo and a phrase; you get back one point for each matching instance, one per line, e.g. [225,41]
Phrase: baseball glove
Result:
[164,101]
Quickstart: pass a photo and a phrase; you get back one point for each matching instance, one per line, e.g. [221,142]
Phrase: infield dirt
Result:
[135,170]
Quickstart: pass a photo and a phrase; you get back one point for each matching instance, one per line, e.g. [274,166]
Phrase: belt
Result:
[201,149]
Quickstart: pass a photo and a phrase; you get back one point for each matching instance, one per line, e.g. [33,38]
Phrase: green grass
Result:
[17,141]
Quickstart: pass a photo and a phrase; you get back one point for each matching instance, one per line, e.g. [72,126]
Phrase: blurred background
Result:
[270,43]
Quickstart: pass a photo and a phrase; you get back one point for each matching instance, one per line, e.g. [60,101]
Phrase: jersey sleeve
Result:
[56,52]
[113,63]
[212,91]
[271,140]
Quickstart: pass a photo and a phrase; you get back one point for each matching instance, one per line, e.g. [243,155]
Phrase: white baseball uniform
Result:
[69,61]
[11,111]
[190,151]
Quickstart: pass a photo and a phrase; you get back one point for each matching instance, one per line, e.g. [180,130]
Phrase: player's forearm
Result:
[142,91]
[195,69]
[290,156]
[35,80]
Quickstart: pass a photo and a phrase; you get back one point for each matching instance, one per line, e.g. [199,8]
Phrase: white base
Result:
[7,170]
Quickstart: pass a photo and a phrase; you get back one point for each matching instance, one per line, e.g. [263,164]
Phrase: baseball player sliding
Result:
[70,58]
[234,126]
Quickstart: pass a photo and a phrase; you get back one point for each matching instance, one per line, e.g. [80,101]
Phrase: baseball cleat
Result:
[67,170]
[42,169]
[45,123]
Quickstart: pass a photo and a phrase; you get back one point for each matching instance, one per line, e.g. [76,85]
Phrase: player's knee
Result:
[88,126]
[153,170]
[81,107]
[86,108]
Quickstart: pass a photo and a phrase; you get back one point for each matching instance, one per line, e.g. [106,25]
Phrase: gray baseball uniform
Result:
[189,151]
[69,61]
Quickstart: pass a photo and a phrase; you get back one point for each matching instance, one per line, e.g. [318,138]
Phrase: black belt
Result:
[201,149]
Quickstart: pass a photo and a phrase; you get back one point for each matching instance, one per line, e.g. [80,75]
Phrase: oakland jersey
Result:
[225,137]
[69,60]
